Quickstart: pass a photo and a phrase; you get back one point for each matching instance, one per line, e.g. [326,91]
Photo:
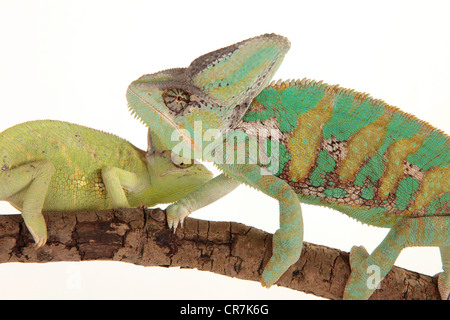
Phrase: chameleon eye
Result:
[176,99]
[180,162]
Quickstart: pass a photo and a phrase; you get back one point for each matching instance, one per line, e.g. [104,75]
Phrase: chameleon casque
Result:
[58,166]
[337,148]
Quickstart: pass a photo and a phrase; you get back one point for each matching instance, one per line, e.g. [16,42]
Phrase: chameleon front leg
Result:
[410,232]
[33,179]
[210,192]
[115,180]
[288,239]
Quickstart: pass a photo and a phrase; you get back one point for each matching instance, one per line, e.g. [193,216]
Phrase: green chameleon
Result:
[58,166]
[327,146]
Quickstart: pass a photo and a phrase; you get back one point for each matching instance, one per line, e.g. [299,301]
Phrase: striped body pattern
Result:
[348,151]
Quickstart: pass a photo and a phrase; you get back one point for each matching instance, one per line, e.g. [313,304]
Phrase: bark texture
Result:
[141,236]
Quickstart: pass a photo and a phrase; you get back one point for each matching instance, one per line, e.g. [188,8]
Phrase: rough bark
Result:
[140,236]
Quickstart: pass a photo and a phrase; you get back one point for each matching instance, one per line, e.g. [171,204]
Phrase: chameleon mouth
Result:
[137,115]
[180,171]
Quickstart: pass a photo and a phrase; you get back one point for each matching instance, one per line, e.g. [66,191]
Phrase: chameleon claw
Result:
[39,242]
[42,241]
[40,238]
[175,225]
[172,224]
[264,284]
[182,222]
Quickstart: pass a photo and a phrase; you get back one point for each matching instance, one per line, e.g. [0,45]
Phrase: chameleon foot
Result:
[363,279]
[286,252]
[357,254]
[39,241]
[175,215]
[38,232]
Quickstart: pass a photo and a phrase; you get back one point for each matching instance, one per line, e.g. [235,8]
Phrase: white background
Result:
[73,60]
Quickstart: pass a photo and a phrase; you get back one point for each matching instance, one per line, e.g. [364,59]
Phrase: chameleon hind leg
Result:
[32,180]
[444,277]
[368,270]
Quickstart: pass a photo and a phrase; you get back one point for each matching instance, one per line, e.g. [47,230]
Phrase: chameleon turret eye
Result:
[180,162]
[176,99]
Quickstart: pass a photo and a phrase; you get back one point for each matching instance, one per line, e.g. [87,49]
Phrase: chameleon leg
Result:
[444,277]
[115,180]
[33,179]
[288,239]
[369,270]
[211,191]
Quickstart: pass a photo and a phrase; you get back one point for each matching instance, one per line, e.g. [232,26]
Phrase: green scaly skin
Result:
[58,166]
[327,146]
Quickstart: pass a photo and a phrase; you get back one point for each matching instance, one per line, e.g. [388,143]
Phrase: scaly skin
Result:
[323,145]
[59,166]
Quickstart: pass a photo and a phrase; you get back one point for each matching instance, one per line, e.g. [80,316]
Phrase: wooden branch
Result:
[140,236]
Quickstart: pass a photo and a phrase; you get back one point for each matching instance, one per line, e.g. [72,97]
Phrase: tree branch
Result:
[141,236]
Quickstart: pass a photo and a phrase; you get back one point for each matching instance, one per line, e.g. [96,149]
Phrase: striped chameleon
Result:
[303,141]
